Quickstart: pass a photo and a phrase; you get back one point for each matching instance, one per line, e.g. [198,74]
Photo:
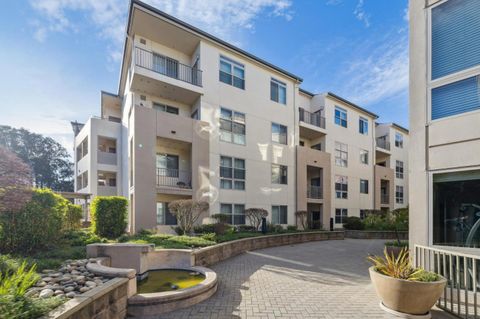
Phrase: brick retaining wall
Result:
[375,234]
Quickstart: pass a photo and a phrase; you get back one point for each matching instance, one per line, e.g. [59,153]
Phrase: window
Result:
[455,216]
[399,194]
[398,140]
[363,126]
[340,116]
[164,217]
[364,186]
[341,154]
[279,174]
[232,173]
[114,119]
[399,169]
[279,215]
[82,180]
[165,108]
[236,213]
[82,149]
[232,126]
[340,215]
[165,65]
[279,133]
[363,213]
[232,73]
[364,157]
[455,50]
[317,147]
[341,186]
[167,165]
[278,91]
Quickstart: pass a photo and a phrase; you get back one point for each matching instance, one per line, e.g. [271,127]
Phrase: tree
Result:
[302,218]
[15,182]
[49,161]
[187,212]
[255,216]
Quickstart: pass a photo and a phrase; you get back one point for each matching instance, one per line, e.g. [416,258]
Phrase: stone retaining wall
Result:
[211,255]
[375,234]
[108,301]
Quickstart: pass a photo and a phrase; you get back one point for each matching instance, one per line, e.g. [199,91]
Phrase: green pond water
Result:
[169,280]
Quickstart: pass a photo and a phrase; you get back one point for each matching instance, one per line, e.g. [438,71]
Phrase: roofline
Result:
[400,127]
[101,99]
[200,32]
[352,104]
[306,92]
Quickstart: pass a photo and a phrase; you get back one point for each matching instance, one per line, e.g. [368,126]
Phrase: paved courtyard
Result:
[326,279]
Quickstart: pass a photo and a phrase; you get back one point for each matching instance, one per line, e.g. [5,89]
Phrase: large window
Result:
[341,187]
[235,213]
[164,217]
[278,91]
[363,126]
[232,126]
[232,173]
[399,194]
[341,154]
[232,72]
[279,174]
[398,140]
[165,108]
[279,133]
[340,116]
[399,169]
[167,165]
[279,215]
[455,52]
[340,215]
[364,157]
[456,209]
[364,186]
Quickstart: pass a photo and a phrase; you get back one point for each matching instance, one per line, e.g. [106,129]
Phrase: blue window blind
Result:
[455,98]
[455,37]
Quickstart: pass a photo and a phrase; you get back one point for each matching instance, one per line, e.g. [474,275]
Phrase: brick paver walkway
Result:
[326,279]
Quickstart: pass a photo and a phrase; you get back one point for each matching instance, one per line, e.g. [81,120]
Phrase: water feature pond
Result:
[169,280]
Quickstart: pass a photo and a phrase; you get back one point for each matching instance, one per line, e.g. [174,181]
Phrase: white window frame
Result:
[399,173]
[368,186]
[341,110]
[233,214]
[399,199]
[241,138]
[233,64]
[280,167]
[398,140]
[447,79]
[339,161]
[233,180]
[279,84]
[364,154]
[363,123]
[343,214]
[280,207]
[342,181]
[283,141]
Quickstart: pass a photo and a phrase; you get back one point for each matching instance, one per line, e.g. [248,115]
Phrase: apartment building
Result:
[444,123]
[196,117]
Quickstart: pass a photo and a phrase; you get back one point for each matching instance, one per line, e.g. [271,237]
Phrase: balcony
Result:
[314,192]
[312,125]
[106,158]
[174,178]
[384,199]
[167,66]
[107,190]
[383,143]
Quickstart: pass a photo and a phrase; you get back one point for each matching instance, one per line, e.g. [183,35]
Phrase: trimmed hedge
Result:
[109,216]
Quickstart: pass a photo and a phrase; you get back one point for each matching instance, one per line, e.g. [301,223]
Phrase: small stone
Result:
[69,289]
[31,293]
[47,271]
[71,294]
[90,284]
[47,278]
[98,282]
[84,289]
[56,274]
[46,293]
[75,272]
[58,292]
[41,284]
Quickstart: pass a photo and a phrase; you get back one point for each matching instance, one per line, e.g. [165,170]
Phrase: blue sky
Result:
[57,55]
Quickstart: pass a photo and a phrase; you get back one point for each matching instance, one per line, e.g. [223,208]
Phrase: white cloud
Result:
[223,18]
[361,14]
[333,2]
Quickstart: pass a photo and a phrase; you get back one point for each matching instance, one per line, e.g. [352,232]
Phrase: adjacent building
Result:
[196,117]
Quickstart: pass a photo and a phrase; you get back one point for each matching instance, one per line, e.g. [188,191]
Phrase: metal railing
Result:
[314,192]
[106,158]
[461,271]
[174,178]
[167,66]
[104,190]
[383,142]
[384,199]
[312,118]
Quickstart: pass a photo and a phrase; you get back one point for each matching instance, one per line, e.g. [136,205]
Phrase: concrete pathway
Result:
[326,279]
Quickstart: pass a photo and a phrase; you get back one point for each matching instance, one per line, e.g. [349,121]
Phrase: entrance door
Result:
[315,220]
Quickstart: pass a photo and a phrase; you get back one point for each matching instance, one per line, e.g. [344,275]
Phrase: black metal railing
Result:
[174,178]
[167,66]
[312,118]
[314,192]
[383,142]
[384,199]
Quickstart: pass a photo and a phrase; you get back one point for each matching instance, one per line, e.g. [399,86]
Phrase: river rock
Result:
[70,294]
[84,289]
[69,289]
[46,293]
[90,284]
[58,292]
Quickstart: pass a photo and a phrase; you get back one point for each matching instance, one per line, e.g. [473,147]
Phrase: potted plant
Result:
[395,247]
[403,288]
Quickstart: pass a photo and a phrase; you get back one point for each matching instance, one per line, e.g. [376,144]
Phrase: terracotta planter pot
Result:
[411,297]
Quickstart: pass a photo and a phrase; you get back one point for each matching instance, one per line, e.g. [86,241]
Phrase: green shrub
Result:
[246,228]
[8,264]
[18,282]
[205,228]
[292,228]
[38,225]
[209,236]
[21,307]
[82,237]
[72,217]
[109,216]
[353,223]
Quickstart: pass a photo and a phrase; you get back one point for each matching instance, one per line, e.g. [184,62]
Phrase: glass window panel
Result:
[226,209]
[226,183]
[239,72]
[240,185]
[282,95]
[225,67]
[239,163]
[225,114]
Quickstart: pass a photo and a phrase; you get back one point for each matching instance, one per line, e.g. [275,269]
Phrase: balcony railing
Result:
[382,142]
[314,192]
[384,199]
[107,190]
[167,66]
[174,178]
[312,118]
[460,296]
[106,158]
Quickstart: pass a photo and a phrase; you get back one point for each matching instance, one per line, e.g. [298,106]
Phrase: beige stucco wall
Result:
[388,174]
